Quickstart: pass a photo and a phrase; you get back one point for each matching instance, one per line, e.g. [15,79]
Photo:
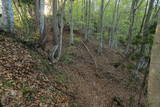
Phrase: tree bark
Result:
[101,41]
[7,15]
[114,24]
[41,18]
[132,19]
[154,74]
[71,23]
[58,25]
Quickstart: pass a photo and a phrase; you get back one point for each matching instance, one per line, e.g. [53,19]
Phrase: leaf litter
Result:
[23,86]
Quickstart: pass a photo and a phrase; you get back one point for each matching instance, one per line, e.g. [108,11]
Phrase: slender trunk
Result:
[132,20]
[101,42]
[42,17]
[143,19]
[7,14]
[58,25]
[148,17]
[145,49]
[55,22]
[37,4]
[114,23]
[86,19]
[71,23]
[42,22]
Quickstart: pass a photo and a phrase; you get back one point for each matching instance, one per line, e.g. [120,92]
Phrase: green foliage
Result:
[26,90]
[77,38]
[67,58]
[28,2]
[7,84]
[72,46]
[42,99]
[131,66]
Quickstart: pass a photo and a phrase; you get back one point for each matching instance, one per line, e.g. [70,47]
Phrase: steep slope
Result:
[80,79]
[22,82]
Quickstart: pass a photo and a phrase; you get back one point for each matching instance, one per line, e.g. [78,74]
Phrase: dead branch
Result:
[90,55]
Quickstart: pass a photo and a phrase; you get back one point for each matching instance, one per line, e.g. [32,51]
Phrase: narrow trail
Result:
[100,90]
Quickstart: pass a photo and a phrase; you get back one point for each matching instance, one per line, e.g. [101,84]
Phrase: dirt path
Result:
[98,91]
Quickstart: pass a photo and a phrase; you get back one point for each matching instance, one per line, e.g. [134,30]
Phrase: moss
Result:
[26,90]
[6,83]
[42,99]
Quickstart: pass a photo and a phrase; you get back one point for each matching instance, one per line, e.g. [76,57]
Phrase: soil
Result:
[108,83]
[92,80]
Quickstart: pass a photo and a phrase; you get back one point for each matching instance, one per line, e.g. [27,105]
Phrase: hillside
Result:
[23,82]
[80,79]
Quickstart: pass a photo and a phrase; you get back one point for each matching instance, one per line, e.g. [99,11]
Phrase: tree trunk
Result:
[71,23]
[113,24]
[154,74]
[41,21]
[58,25]
[132,19]
[7,15]
[101,41]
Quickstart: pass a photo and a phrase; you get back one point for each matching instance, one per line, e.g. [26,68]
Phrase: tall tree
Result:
[145,49]
[71,22]
[147,23]
[87,19]
[134,7]
[112,38]
[7,14]
[101,42]
[58,25]
[41,18]
[154,74]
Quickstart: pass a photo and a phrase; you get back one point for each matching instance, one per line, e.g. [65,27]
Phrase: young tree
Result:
[154,74]
[87,20]
[101,43]
[71,22]
[7,15]
[134,7]
[145,48]
[112,38]
[145,32]
[58,25]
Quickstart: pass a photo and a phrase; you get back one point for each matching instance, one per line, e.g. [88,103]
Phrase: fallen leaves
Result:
[21,85]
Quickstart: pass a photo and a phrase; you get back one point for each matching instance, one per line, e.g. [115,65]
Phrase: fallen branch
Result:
[90,54]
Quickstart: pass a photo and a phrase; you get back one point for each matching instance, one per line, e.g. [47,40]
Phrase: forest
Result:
[79,53]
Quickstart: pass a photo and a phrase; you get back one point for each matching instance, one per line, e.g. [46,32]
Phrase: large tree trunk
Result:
[154,74]
[7,15]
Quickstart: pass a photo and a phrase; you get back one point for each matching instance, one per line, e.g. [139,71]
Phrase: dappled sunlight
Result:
[47,8]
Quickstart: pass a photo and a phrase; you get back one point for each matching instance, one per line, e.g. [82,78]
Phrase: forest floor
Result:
[80,79]
[99,81]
